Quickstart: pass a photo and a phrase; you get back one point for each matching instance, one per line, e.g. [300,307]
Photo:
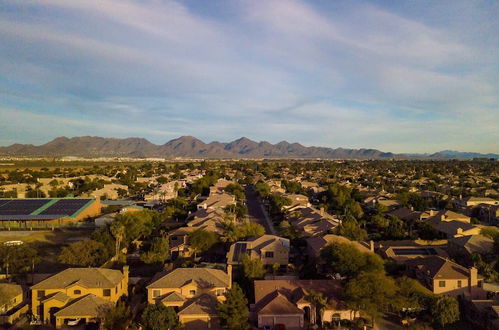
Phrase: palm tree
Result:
[118,231]
[318,304]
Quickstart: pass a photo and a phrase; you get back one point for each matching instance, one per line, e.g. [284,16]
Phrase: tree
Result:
[352,230]
[17,259]
[87,253]
[201,240]
[370,292]
[445,310]
[348,260]
[411,296]
[159,251]
[252,268]
[234,311]
[318,302]
[159,317]
[117,317]
[118,231]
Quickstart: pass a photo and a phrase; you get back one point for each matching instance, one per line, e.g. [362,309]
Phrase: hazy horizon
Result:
[404,77]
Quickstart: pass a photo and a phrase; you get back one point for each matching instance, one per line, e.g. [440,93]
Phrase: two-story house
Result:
[77,293]
[270,249]
[443,276]
[12,304]
[193,292]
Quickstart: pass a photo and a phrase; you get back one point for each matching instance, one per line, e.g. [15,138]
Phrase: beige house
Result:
[15,305]
[465,246]
[311,221]
[110,191]
[286,302]
[270,249]
[474,201]
[403,250]
[179,241]
[316,244]
[193,292]
[77,293]
[297,202]
[443,276]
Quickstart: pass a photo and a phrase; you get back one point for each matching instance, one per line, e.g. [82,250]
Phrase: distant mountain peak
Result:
[191,147]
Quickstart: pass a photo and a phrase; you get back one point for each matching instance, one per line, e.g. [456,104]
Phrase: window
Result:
[40,294]
[156,293]
[459,284]
[269,254]
[77,292]
[192,292]
[173,238]
[441,284]
[116,290]
[106,292]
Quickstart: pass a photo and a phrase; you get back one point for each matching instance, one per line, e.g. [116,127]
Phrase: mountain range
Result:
[191,147]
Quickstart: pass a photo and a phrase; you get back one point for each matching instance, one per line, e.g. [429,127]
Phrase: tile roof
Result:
[203,304]
[439,268]
[11,290]
[86,277]
[204,277]
[89,305]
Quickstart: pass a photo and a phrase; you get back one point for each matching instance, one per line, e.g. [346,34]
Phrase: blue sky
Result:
[400,76]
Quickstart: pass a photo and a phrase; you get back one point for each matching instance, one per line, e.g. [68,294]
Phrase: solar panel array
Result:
[65,206]
[21,206]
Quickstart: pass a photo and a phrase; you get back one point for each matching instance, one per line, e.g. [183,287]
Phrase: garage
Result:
[292,322]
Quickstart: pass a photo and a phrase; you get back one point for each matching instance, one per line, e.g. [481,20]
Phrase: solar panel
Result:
[66,206]
[22,206]
[2,202]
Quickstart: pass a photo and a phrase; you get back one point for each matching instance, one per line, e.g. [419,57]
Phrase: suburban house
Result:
[403,250]
[109,191]
[270,249]
[465,246]
[312,222]
[409,215]
[316,244]
[13,303]
[193,292]
[166,191]
[297,202]
[179,241]
[474,201]
[77,293]
[443,276]
[286,302]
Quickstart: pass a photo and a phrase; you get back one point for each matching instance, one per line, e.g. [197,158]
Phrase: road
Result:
[256,213]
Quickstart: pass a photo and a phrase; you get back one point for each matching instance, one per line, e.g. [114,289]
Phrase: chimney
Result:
[473,280]
[442,217]
[371,245]
[412,208]
[229,272]
[432,213]
[322,211]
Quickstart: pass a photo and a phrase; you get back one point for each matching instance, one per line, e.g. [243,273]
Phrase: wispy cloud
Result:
[334,74]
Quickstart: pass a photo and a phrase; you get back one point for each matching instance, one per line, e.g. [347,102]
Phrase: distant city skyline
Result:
[403,77]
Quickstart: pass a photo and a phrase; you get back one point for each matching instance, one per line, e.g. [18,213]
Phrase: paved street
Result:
[256,212]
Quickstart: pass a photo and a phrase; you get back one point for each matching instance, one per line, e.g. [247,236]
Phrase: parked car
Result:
[279,326]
